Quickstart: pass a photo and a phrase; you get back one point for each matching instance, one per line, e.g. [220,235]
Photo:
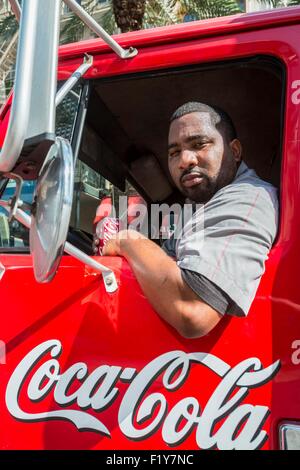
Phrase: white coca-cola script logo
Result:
[242,423]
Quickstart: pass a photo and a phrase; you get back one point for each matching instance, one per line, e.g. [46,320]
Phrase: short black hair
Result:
[218,117]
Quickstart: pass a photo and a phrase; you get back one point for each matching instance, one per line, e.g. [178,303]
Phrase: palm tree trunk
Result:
[129,14]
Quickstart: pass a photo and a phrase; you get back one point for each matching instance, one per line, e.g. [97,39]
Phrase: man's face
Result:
[200,160]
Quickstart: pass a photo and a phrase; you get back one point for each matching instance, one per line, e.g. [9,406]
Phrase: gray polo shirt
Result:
[223,262]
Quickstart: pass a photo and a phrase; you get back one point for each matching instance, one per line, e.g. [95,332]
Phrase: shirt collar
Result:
[241,169]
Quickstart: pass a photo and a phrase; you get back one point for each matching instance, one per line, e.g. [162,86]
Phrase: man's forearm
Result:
[161,281]
[158,276]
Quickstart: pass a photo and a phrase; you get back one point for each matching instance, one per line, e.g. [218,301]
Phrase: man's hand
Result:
[113,247]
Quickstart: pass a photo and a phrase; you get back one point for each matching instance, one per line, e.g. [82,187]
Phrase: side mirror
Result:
[52,210]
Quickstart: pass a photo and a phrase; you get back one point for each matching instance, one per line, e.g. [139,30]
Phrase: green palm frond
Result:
[163,12]
[108,21]
[72,27]
[157,13]
[203,9]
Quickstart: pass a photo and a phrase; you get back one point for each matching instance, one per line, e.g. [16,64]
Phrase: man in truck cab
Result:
[192,282]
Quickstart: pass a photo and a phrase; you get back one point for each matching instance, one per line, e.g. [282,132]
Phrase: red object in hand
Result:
[105,230]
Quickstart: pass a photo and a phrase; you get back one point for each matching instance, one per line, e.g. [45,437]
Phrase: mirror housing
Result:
[52,210]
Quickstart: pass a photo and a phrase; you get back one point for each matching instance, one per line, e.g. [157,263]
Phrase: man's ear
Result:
[236,148]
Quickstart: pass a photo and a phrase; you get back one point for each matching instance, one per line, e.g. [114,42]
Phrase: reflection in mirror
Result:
[13,235]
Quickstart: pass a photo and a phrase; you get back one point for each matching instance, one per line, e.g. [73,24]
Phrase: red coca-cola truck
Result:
[86,363]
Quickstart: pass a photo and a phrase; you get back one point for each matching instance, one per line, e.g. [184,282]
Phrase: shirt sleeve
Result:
[169,247]
[206,290]
[239,226]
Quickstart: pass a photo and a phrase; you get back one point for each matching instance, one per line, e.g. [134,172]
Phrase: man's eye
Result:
[199,145]
[173,154]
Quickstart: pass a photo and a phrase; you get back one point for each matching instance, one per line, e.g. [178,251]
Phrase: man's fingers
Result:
[110,248]
[106,250]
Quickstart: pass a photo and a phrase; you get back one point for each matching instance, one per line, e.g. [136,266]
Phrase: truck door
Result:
[83,367]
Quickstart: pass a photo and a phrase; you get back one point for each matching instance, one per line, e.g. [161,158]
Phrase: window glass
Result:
[66,113]
[90,187]
[94,195]
[13,234]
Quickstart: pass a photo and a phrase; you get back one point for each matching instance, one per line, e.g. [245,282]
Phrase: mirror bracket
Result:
[110,282]
[14,201]
[109,278]
[71,82]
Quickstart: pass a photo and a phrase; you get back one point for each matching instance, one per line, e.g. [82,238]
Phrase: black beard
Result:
[202,192]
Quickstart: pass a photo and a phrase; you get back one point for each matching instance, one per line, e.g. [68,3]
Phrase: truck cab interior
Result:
[125,129]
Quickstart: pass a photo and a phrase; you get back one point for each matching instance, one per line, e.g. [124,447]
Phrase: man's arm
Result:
[161,281]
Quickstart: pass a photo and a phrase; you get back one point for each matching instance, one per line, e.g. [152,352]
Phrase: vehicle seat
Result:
[275,169]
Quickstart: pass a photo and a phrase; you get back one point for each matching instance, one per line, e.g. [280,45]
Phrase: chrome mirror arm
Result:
[64,90]
[89,21]
[96,28]
[109,278]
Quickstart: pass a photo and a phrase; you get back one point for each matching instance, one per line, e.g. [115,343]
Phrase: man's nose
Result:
[188,159]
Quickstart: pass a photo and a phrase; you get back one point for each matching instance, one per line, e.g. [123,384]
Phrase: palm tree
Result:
[164,12]
[72,28]
[129,14]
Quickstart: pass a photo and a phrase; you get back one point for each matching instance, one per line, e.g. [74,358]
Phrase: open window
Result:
[126,128]
[125,135]
[123,146]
